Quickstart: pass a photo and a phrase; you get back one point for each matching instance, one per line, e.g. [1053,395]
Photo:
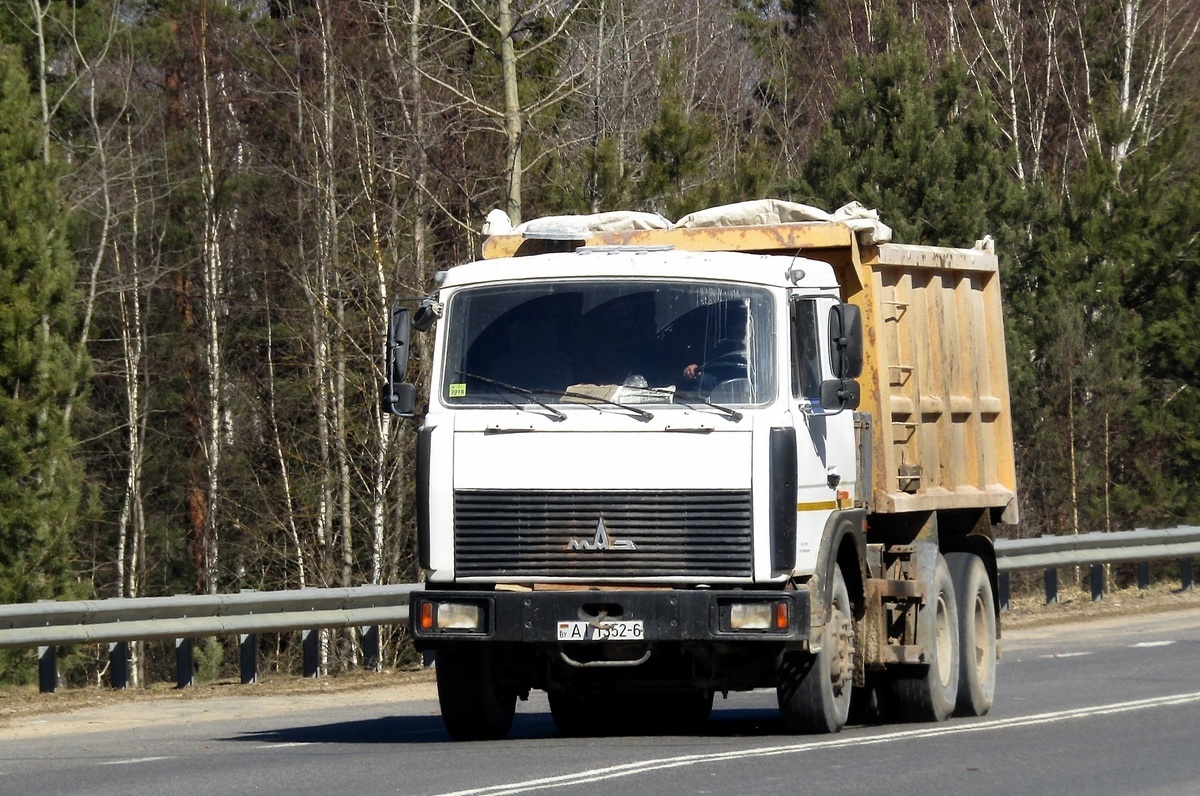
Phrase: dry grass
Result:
[1075,604]
[22,701]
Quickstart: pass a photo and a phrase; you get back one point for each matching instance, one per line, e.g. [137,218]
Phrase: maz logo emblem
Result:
[601,541]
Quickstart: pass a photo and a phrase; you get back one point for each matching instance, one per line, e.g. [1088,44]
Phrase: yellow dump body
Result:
[934,380]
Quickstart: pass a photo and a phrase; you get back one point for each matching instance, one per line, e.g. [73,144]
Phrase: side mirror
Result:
[845,341]
[398,397]
[426,315]
[845,359]
[839,394]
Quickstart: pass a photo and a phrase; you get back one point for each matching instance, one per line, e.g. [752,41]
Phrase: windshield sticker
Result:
[458,390]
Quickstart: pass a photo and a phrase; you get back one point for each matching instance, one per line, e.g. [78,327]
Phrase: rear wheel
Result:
[476,706]
[976,634]
[928,692]
[814,689]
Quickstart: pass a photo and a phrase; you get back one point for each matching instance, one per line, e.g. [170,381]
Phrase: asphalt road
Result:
[1106,707]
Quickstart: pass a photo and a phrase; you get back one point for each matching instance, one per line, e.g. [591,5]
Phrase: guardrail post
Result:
[1186,580]
[1097,579]
[311,645]
[1143,574]
[47,669]
[185,669]
[118,664]
[370,648]
[248,653]
[1051,586]
[1005,592]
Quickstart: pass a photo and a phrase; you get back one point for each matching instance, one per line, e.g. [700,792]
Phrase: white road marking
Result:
[645,766]
[1152,644]
[287,745]
[132,760]
[1066,655]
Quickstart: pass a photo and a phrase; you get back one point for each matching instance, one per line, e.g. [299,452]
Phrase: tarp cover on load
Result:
[759,212]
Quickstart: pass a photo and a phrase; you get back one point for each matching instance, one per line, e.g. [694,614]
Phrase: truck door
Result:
[825,450]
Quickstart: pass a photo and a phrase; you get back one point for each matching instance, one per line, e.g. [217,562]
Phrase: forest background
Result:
[206,207]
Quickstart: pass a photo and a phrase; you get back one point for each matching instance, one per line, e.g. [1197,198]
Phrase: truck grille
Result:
[512,533]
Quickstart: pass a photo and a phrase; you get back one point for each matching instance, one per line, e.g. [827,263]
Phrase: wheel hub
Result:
[841,667]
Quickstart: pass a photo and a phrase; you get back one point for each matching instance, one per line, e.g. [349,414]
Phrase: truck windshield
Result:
[632,343]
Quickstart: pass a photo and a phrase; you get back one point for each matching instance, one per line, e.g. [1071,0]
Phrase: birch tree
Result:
[497,34]
[1073,75]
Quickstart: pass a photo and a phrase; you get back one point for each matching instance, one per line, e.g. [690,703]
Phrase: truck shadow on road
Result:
[526,726]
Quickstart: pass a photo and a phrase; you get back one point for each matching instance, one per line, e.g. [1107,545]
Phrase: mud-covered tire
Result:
[976,634]
[476,706]
[814,689]
[929,691]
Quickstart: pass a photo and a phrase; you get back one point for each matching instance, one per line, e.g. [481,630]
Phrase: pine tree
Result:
[916,143]
[40,483]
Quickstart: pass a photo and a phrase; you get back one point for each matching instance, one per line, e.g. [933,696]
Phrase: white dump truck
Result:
[761,447]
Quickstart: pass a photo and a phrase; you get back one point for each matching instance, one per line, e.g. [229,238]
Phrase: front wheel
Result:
[814,689]
[476,706]
[929,691]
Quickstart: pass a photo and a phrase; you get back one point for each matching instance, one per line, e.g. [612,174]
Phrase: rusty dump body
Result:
[934,380]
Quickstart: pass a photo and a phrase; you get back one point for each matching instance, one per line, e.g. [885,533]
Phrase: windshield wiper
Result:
[530,394]
[728,411]
[641,413]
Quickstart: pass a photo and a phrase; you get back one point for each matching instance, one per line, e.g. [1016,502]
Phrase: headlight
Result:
[750,616]
[458,616]
[771,616]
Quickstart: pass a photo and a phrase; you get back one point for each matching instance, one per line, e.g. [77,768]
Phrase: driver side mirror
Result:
[398,397]
[845,359]
[845,341]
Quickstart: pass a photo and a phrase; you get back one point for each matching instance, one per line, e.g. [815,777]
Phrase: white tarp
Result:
[574,227]
[764,212]
[758,212]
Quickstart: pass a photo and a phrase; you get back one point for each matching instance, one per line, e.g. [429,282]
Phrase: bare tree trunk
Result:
[342,445]
[512,108]
[39,32]
[130,524]
[284,470]
[420,166]
[320,300]
[213,299]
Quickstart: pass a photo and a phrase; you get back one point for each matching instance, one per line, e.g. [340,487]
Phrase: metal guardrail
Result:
[1096,550]
[148,618]
[47,625]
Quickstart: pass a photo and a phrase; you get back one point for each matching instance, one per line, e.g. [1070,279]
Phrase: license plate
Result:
[616,630]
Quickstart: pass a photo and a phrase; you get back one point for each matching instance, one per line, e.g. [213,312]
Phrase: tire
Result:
[475,705]
[976,634]
[814,689]
[929,692]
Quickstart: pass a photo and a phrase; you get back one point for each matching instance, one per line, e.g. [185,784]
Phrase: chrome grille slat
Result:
[516,533]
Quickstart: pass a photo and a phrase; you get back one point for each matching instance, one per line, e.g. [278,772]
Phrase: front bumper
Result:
[667,615]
